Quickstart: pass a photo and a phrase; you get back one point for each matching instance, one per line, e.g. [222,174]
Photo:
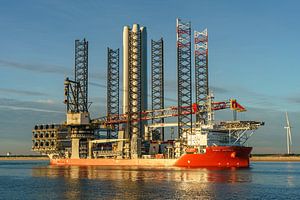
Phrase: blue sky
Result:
[253,56]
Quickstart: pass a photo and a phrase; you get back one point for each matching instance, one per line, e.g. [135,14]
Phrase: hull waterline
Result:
[215,156]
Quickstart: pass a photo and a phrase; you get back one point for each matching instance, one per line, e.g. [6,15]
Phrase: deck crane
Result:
[171,111]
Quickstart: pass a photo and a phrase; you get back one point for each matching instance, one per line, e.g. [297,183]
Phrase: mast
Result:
[288,134]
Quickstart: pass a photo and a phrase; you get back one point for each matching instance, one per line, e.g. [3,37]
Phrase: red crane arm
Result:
[172,111]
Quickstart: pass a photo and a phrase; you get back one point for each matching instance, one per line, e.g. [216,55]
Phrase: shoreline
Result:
[23,158]
[275,158]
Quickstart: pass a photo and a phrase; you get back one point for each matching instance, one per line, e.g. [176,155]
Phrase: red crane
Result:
[169,112]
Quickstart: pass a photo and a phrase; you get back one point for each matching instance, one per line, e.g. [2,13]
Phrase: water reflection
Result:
[40,181]
[206,175]
[290,178]
[131,183]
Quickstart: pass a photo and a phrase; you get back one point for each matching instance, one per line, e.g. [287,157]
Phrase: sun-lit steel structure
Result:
[184,77]
[157,84]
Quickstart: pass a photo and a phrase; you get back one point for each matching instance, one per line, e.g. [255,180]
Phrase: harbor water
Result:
[38,180]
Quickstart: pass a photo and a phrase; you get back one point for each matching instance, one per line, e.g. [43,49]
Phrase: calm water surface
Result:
[38,180]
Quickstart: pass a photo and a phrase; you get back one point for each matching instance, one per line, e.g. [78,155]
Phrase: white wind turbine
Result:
[288,134]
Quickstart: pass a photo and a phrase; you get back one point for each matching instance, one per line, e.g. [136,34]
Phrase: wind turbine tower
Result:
[288,134]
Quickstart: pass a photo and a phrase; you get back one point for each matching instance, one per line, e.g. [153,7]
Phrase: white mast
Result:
[288,134]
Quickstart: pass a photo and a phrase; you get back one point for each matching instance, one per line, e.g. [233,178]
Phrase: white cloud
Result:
[29,109]
[46,101]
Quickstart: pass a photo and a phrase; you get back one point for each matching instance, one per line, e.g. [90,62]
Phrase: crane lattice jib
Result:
[201,73]
[172,111]
[81,74]
[157,84]
[184,75]
[113,76]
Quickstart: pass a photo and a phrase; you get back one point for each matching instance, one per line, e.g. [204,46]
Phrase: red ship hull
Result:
[215,156]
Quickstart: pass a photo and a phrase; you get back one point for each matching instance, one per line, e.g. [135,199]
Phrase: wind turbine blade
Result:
[287,119]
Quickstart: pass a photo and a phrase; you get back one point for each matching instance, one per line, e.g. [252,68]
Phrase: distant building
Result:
[8,154]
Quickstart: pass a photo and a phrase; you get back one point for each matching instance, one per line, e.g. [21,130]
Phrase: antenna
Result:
[288,134]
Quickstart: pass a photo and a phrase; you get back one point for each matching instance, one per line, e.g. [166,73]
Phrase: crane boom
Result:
[171,111]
